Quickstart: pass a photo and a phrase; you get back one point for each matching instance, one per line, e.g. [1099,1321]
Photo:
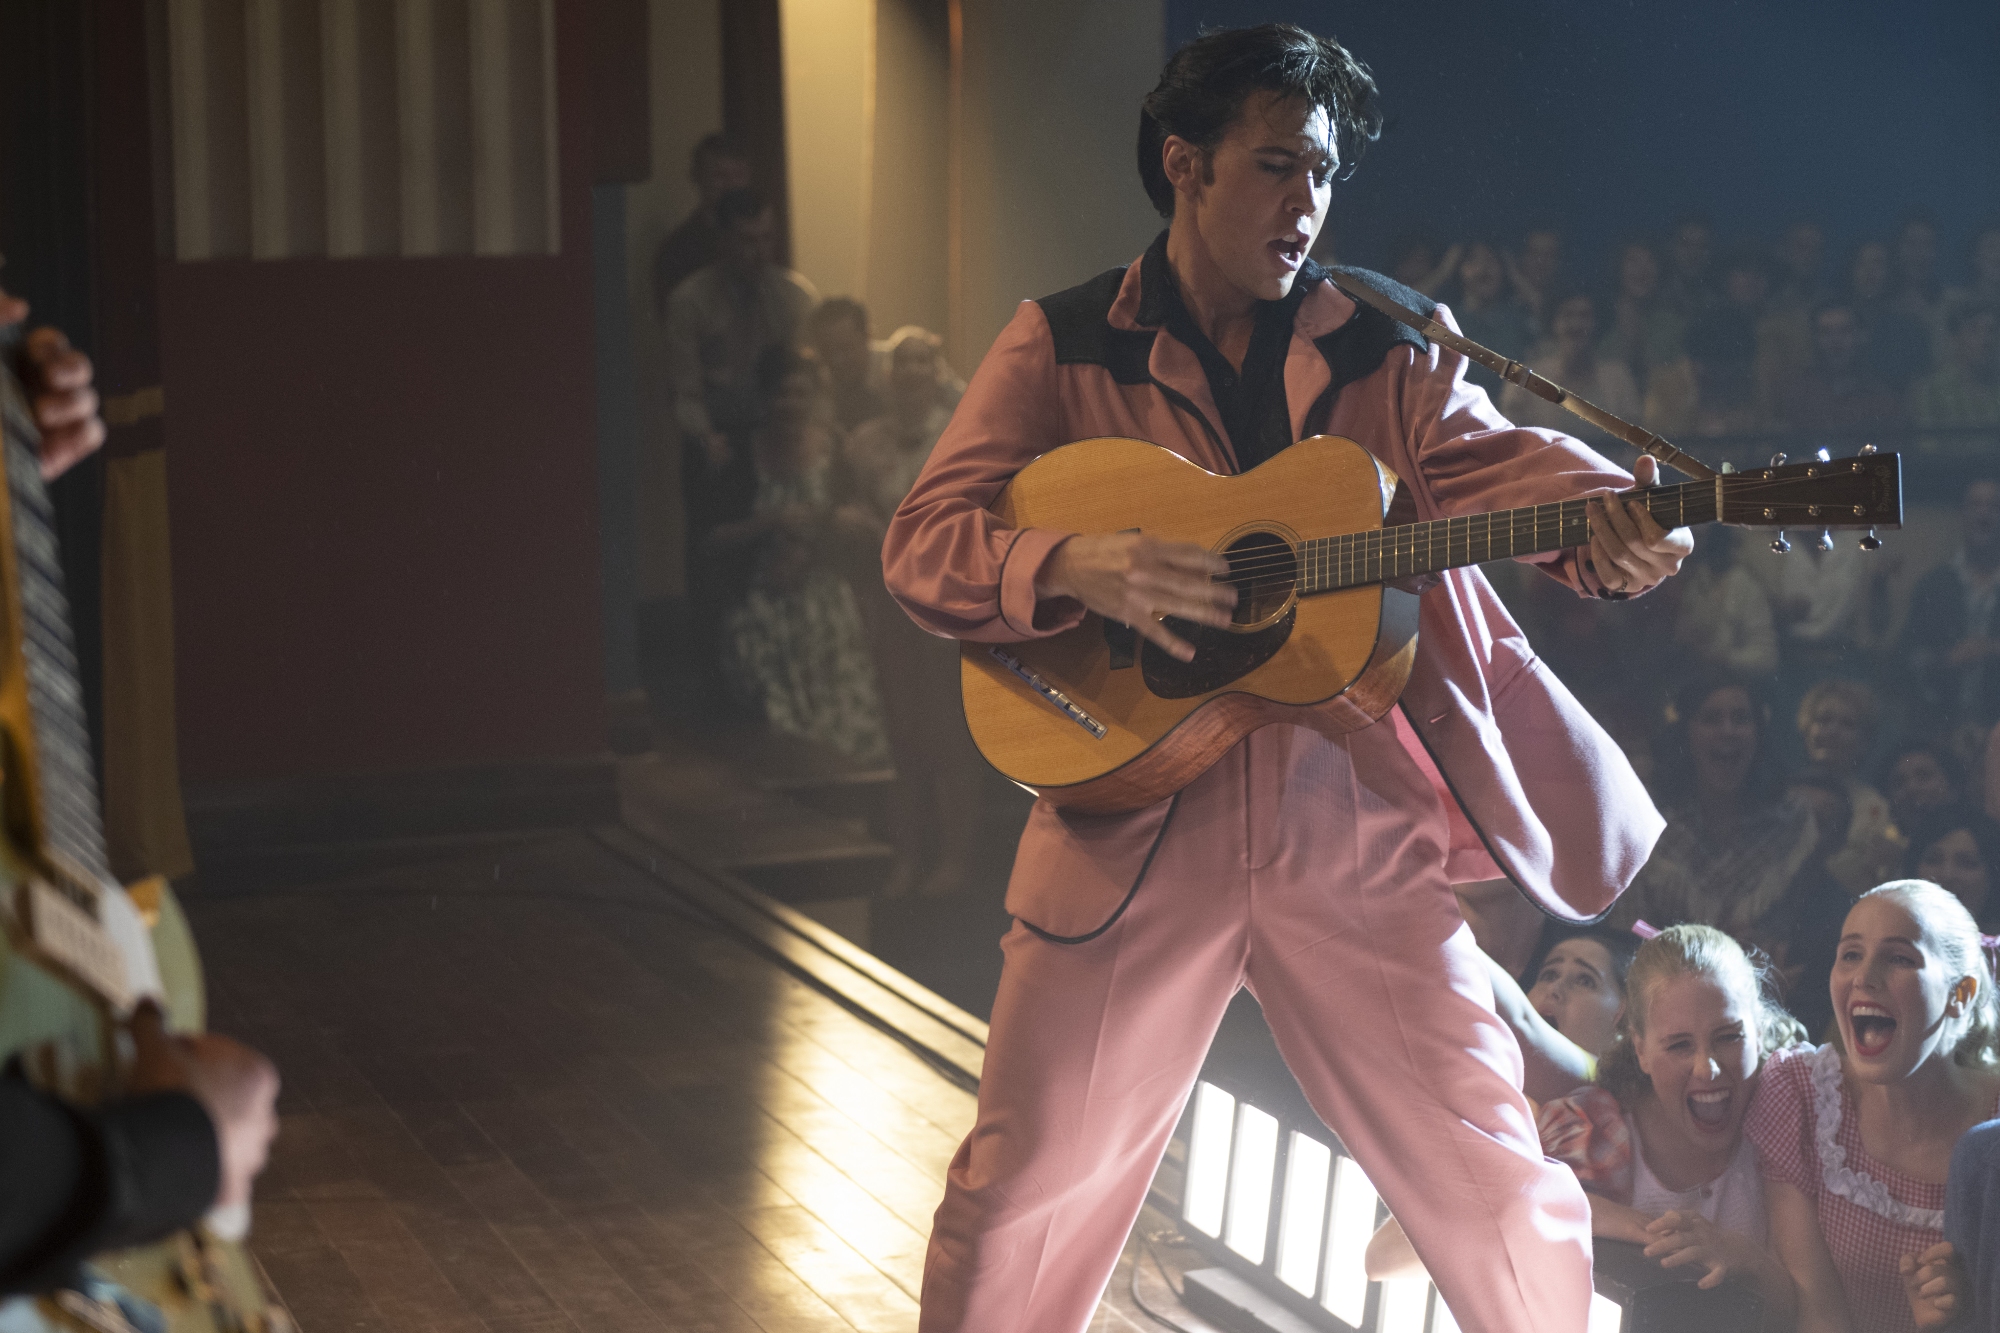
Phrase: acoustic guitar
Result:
[78,950]
[1097,719]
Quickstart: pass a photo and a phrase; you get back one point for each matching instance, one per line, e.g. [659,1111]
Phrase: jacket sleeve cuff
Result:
[1019,607]
[162,1165]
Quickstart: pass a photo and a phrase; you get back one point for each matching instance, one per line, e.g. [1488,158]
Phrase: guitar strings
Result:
[1268,568]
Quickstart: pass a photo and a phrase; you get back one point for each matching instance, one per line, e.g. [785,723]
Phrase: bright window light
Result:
[1347,1243]
[1403,1306]
[1302,1214]
[1441,1317]
[1208,1159]
[1606,1315]
[1251,1173]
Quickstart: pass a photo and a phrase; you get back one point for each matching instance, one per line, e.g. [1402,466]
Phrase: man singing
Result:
[1312,870]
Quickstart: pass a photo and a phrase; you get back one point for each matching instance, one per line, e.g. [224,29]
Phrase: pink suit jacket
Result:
[1552,797]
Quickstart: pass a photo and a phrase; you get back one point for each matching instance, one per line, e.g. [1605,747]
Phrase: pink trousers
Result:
[1311,871]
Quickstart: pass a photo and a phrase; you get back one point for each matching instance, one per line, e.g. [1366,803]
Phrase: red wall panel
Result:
[383,489]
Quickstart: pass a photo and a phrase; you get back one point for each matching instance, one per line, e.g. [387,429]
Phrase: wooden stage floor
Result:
[529,1088]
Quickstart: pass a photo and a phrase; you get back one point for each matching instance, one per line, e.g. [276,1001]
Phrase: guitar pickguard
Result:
[1221,656]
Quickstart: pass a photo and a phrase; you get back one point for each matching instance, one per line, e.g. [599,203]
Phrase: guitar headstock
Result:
[1865,491]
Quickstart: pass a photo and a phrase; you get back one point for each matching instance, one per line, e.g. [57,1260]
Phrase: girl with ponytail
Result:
[1658,1140]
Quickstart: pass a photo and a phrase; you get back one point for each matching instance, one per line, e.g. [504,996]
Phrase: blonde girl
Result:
[1657,1141]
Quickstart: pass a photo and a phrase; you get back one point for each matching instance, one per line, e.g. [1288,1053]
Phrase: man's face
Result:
[842,345]
[1838,338]
[746,246]
[1541,257]
[1260,195]
[718,174]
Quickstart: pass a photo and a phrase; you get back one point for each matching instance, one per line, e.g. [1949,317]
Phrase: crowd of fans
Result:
[1753,341]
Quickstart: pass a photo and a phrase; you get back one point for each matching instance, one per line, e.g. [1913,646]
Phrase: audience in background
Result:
[1644,331]
[1964,390]
[1577,986]
[1855,1139]
[1486,312]
[1958,848]
[1918,776]
[1837,388]
[934,802]
[1690,285]
[718,166]
[1951,641]
[1899,345]
[1723,620]
[721,324]
[1836,722]
[1734,843]
[1536,274]
[1569,357]
[837,330]
[795,644]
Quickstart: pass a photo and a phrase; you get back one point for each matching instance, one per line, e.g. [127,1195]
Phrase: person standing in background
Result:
[721,322]
[718,166]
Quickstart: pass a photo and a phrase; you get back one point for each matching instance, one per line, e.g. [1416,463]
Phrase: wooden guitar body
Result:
[1335,662]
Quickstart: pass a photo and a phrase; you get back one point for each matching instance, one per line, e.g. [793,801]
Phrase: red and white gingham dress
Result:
[1806,1131]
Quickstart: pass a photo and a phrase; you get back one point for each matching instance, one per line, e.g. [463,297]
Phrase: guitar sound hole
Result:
[1265,570]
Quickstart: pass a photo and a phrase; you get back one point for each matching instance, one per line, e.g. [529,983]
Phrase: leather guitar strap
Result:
[1514,372]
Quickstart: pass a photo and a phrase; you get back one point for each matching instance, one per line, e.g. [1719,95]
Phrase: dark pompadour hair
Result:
[1204,86]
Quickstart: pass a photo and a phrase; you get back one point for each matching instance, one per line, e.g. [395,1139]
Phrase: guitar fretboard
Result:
[68,781]
[1356,558]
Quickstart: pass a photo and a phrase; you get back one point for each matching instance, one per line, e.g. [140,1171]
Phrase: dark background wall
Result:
[1611,115]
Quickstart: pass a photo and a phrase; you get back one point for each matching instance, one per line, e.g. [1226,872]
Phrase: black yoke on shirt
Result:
[1255,413]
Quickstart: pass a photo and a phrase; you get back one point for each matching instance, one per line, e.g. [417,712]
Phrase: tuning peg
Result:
[1823,455]
[1867,449]
[1777,460]
[1781,546]
[1825,542]
[1871,542]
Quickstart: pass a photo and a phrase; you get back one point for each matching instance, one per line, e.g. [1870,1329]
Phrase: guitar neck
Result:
[1356,558]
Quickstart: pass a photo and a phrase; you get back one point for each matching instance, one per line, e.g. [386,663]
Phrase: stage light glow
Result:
[1353,1222]
[1403,1306]
[1606,1315]
[1208,1158]
[1252,1170]
[1302,1213]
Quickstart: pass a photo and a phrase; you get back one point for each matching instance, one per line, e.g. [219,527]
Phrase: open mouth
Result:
[1710,1109]
[1874,1028]
[1290,249]
[1552,1020]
